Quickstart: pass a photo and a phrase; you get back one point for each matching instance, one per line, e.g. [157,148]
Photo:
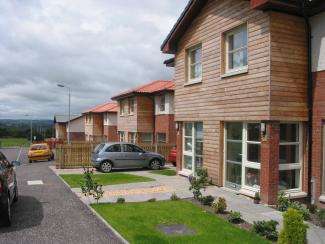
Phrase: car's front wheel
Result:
[106,166]
[6,215]
[155,164]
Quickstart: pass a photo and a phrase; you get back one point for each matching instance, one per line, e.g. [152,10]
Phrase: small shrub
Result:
[303,210]
[198,183]
[266,229]
[208,200]
[220,206]
[235,217]
[257,197]
[321,216]
[312,208]
[87,184]
[174,197]
[98,192]
[294,229]
[152,200]
[283,202]
[120,200]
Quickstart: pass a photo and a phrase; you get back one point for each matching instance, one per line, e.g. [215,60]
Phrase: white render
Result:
[76,125]
[169,103]
[318,42]
[110,119]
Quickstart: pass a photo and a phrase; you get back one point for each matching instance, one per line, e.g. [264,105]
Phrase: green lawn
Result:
[164,172]
[13,142]
[137,222]
[74,180]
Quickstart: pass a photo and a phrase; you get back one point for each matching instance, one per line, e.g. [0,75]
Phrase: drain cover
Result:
[176,230]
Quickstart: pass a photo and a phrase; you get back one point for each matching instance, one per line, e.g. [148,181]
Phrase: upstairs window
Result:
[131,105]
[236,49]
[162,102]
[122,108]
[194,61]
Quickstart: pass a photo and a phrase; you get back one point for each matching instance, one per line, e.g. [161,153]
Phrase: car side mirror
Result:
[15,163]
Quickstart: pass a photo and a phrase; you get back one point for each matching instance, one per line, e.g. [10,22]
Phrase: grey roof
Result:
[64,118]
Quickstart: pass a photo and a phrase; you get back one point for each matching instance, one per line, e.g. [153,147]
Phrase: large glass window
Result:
[193,146]
[194,63]
[121,136]
[161,138]
[146,138]
[132,137]
[290,158]
[236,48]
[243,154]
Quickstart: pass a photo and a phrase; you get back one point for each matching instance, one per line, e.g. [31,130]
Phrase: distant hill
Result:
[20,128]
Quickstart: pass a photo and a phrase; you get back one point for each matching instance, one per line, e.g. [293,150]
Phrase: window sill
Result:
[193,82]
[235,72]
[295,195]
[185,173]
[249,193]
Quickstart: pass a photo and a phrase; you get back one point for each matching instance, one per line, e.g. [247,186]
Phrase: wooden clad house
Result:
[101,122]
[77,129]
[242,94]
[146,113]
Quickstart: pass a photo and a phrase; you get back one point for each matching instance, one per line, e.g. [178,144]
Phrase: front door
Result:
[233,155]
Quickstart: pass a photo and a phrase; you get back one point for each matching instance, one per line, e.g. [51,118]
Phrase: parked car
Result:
[172,156]
[8,188]
[107,156]
[40,151]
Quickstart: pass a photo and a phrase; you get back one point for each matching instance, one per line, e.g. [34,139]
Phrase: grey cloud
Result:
[98,47]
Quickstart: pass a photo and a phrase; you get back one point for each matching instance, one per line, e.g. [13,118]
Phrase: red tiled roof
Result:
[152,87]
[106,107]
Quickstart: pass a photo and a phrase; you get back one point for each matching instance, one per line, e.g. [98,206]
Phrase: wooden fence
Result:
[77,155]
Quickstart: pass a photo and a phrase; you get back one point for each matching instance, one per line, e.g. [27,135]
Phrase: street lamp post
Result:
[31,127]
[63,86]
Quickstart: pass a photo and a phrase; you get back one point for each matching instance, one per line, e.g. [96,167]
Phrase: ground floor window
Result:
[121,136]
[146,138]
[161,138]
[132,137]
[192,146]
[242,155]
[290,160]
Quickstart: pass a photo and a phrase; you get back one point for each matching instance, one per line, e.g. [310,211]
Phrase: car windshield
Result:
[98,148]
[38,147]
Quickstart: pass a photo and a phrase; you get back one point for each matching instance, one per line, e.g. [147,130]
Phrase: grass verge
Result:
[137,222]
[163,172]
[74,180]
[13,142]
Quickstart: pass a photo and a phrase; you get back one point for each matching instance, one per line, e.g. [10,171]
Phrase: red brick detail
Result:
[269,178]
[110,132]
[77,136]
[165,123]
[318,120]
[179,146]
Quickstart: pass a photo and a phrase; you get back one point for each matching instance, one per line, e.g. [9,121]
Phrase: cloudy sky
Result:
[97,47]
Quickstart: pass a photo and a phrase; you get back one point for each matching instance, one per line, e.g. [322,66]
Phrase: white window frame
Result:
[121,136]
[294,166]
[188,153]
[227,52]
[245,163]
[122,108]
[131,106]
[189,65]
[132,137]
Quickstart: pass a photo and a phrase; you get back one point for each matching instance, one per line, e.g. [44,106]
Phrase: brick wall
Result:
[77,136]
[164,123]
[110,132]
[318,120]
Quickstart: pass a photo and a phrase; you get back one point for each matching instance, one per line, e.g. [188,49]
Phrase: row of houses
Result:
[248,101]
[143,114]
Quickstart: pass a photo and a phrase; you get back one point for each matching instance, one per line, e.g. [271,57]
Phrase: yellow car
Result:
[40,152]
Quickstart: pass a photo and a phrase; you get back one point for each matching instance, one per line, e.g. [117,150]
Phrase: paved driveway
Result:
[49,213]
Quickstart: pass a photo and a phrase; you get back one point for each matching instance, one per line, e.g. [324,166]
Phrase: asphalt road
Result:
[49,213]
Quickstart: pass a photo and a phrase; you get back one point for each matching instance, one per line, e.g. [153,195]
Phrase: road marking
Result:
[21,148]
[34,182]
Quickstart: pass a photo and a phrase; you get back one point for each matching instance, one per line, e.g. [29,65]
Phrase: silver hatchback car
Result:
[120,155]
